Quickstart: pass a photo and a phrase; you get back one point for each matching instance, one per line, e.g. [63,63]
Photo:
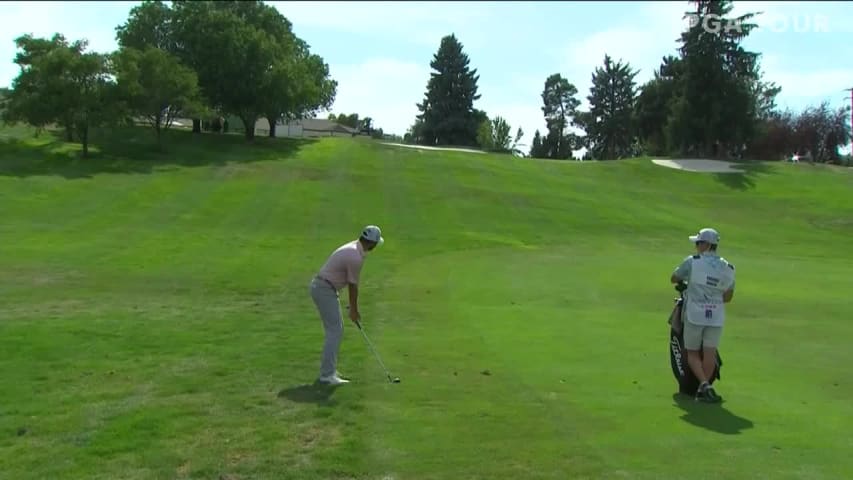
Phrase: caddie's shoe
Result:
[332,380]
[700,392]
[713,394]
[706,394]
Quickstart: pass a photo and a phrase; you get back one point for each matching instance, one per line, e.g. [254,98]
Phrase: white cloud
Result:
[414,22]
[387,85]
[770,15]
[524,113]
[383,89]
[636,47]
[642,44]
[801,86]
[645,41]
[94,21]
[387,90]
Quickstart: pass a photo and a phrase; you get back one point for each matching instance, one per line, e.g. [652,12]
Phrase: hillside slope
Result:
[156,323]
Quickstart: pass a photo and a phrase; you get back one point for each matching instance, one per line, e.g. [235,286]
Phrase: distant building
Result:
[309,127]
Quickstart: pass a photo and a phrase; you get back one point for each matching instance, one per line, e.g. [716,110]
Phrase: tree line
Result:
[199,60]
[208,60]
[708,100]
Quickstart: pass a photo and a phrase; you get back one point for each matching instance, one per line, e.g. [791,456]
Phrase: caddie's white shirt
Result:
[708,276]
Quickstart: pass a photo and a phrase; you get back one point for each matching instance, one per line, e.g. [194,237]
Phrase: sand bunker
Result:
[699,165]
[424,147]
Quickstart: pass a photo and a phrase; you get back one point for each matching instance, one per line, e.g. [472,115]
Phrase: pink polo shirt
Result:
[344,265]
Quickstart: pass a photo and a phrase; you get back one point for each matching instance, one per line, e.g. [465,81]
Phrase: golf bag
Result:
[687,381]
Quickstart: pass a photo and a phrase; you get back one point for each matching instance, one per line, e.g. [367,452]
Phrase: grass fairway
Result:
[156,324]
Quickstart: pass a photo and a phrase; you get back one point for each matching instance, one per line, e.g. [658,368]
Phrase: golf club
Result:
[395,379]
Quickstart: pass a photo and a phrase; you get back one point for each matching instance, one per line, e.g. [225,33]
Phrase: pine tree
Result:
[536,148]
[652,107]
[609,123]
[714,107]
[447,111]
[560,109]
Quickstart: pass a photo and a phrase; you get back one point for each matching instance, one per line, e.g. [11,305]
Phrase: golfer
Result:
[710,285]
[342,269]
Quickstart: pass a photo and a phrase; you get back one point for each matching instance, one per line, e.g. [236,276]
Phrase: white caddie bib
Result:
[705,304]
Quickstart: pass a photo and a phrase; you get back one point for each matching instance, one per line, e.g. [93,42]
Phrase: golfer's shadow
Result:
[710,416]
[316,392]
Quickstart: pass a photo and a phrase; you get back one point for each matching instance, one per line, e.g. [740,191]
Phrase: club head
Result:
[396,380]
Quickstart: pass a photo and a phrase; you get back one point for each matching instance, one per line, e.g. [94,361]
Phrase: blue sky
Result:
[380,51]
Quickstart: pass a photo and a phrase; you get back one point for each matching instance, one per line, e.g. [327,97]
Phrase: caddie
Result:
[710,282]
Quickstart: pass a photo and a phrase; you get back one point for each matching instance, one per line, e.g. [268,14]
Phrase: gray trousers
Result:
[328,304]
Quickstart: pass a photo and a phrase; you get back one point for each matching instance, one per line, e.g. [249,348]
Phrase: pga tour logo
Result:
[713,23]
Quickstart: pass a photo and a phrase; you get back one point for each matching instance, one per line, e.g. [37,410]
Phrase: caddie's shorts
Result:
[696,335]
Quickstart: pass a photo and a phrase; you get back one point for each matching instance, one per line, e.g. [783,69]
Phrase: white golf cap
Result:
[373,234]
[708,235]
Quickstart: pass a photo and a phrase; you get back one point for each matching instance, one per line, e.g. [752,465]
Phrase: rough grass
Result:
[155,318]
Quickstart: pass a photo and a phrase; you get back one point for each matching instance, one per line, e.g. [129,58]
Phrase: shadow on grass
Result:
[310,393]
[133,150]
[712,417]
[751,171]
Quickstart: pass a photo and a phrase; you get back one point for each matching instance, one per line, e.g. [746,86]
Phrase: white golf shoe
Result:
[332,380]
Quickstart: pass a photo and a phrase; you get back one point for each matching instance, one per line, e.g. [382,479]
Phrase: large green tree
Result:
[764,94]
[516,147]
[494,135]
[4,97]
[298,87]
[714,107]
[94,95]
[148,25]
[816,133]
[151,24]
[447,111]
[156,86]
[537,149]
[248,61]
[609,124]
[652,107]
[820,131]
[486,135]
[351,120]
[61,83]
[298,83]
[560,108]
[501,139]
[45,73]
[314,90]
[231,55]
